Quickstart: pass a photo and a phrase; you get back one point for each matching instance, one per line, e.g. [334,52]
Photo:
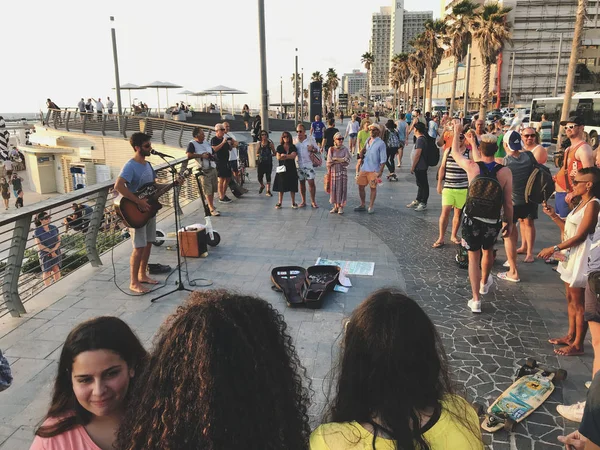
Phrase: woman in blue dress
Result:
[47,238]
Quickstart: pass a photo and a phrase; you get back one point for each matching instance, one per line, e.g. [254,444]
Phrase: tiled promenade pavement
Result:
[484,349]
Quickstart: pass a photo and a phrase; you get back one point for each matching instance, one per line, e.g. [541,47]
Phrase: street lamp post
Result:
[296,91]
[281,96]
[116,62]
[264,106]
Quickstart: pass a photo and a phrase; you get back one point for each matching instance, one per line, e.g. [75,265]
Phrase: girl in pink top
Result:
[97,366]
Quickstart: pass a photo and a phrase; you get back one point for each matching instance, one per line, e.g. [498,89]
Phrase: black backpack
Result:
[540,184]
[432,151]
[485,196]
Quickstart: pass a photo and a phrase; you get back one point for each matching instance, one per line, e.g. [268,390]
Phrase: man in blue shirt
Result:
[373,162]
[136,173]
[316,130]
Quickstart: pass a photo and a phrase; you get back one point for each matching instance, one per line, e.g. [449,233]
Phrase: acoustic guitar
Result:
[129,211]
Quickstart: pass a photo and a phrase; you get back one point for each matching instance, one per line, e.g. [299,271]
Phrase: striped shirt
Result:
[455,177]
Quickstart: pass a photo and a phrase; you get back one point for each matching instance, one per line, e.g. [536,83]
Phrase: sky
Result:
[62,49]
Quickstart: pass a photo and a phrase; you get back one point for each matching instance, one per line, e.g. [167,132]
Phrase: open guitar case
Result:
[305,287]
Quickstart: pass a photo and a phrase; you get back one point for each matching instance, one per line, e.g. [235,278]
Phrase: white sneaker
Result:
[421,207]
[475,305]
[485,288]
[506,264]
[412,204]
[573,412]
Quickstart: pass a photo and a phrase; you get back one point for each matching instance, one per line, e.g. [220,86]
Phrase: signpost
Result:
[343,101]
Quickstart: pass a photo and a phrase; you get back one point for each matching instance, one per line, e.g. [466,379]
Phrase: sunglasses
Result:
[570,127]
[528,135]
[576,182]
[340,139]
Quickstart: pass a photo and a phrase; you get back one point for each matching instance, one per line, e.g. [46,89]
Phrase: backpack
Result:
[485,196]
[540,184]
[432,151]
[393,139]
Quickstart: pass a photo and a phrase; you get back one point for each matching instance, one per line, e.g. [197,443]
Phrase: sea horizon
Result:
[16,116]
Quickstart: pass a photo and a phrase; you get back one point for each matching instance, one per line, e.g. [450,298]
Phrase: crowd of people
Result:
[111,393]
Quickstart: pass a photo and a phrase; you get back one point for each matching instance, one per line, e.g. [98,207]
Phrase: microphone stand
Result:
[179,282]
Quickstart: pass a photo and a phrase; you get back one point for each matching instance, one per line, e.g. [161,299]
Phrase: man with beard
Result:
[135,173]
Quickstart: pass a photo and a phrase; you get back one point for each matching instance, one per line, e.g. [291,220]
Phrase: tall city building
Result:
[537,27]
[355,82]
[392,29]
[380,49]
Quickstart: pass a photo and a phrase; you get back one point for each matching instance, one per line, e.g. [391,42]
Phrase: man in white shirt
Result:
[433,127]
[109,105]
[305,146]
[99,108]
[8,167]
[202,152]
[233,153]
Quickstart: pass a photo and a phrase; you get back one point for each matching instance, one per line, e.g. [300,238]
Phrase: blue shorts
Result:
[353,135]
[561,206]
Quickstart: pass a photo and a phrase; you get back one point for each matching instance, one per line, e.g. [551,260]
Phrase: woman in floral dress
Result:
[338,159]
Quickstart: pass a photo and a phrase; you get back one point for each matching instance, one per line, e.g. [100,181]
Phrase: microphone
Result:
[162,155]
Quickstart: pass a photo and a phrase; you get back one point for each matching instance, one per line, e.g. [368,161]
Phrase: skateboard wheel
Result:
[531,363]
[560,375]
[478,407]
[509,425]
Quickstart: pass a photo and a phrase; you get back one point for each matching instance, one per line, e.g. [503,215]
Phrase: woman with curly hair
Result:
[393,389]
[224,374]
[97,368]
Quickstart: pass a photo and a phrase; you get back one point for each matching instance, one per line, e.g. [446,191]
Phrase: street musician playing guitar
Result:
[136,173]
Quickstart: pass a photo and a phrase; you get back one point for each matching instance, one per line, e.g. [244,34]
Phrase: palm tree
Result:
[458,31]
[435,40]
[399,74]
[317,76]
[491,31]
[367,59]
[332,82]
[416,64]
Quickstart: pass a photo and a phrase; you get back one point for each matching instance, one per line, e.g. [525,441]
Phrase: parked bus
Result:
[585,104]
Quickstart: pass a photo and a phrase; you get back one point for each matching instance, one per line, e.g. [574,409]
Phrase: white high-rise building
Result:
[380,49]
[355,82]
[392,29]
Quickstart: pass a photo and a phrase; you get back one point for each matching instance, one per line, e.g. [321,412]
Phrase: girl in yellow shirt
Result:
[393,386]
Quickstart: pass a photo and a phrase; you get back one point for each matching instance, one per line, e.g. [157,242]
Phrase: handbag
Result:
[327,182]
[316,159]
[280,169]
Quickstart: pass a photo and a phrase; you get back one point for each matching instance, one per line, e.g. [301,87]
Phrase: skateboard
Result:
[392,177]
[533,385]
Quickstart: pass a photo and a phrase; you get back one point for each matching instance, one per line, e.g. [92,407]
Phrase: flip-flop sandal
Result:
[301,205]
[506,264]
[504,276]
[529,262]
[438,244]
[278,206]
[314,205]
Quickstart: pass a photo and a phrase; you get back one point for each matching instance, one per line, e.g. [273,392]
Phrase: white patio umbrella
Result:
[162,85]
[220,89]
[235,93]
[186,93]
[199,94]
[130,87]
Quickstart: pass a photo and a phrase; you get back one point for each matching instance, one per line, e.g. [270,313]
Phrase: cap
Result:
[577,120]
[513,140]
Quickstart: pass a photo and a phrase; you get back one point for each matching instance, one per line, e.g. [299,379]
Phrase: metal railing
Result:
[168,132]
[96,230]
